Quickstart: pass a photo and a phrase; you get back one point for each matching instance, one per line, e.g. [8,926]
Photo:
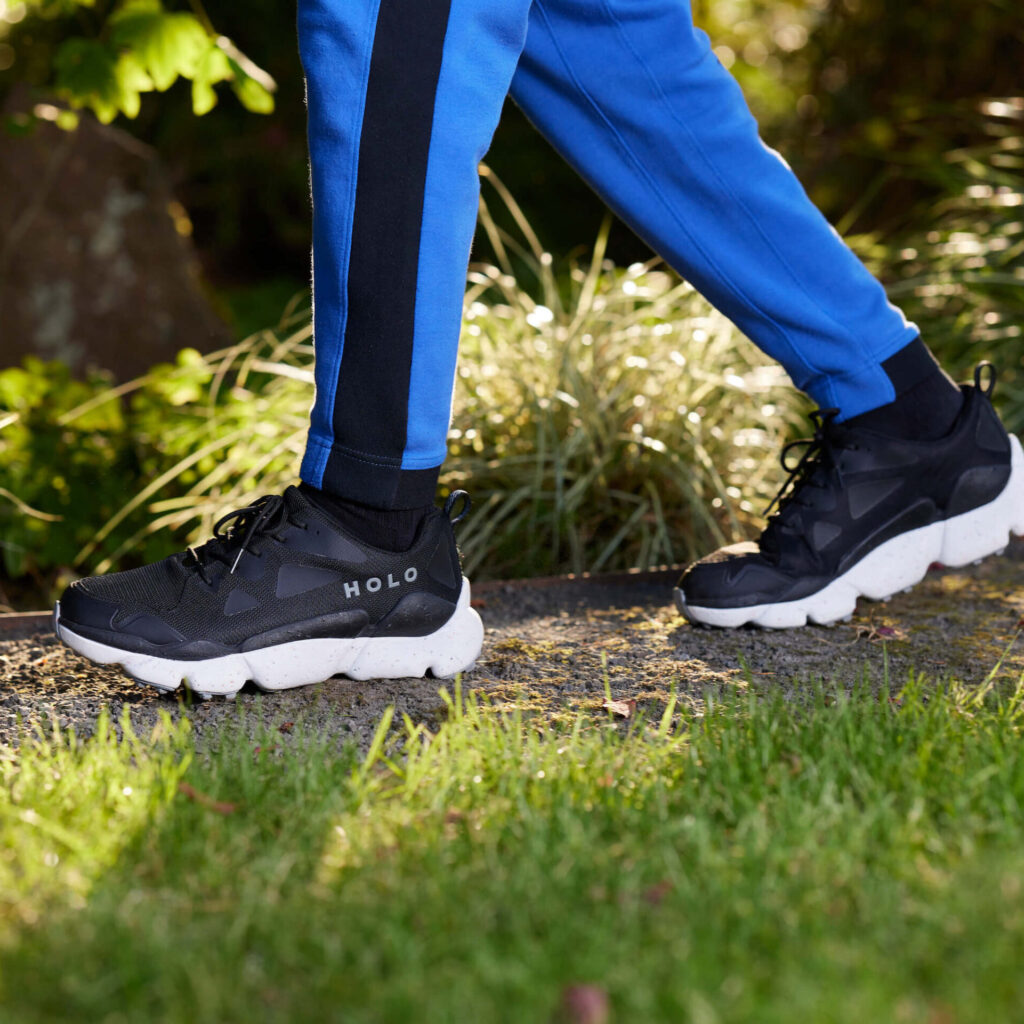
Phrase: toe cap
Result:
[78,605]
[733,576]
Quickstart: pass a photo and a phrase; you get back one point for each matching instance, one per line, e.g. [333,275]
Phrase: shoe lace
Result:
[238,532]
[818,457]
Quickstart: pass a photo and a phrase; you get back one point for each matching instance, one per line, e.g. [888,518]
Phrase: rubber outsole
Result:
[898,564]
[449,650]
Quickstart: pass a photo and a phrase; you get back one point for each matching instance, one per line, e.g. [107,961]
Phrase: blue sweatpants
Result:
[404,97]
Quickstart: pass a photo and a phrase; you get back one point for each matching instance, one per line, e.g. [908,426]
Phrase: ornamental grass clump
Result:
[605,417]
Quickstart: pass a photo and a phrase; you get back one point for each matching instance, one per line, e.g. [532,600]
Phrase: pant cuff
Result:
[378,483]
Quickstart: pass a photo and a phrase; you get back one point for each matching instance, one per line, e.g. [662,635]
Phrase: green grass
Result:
[840,858]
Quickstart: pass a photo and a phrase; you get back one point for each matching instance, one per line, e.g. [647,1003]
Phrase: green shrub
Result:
[72,454]
[49,468]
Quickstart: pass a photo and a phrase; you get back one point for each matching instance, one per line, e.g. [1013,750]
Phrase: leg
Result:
[632,95]
[403,102]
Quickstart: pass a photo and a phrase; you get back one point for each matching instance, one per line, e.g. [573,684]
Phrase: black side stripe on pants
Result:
[370,412]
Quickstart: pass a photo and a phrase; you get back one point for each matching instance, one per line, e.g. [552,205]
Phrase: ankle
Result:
[388,529]
[927,400]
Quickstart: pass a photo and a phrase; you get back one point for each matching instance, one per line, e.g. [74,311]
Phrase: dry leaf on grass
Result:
[657,892]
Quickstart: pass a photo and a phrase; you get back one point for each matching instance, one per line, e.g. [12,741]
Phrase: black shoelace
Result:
[812,470]
[238,532]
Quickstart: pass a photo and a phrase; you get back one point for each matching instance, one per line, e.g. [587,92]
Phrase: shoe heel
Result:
[983,531]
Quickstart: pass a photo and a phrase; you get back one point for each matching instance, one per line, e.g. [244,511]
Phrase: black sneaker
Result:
[863,515]
[283,596]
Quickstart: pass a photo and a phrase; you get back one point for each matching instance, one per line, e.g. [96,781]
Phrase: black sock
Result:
[927,401]
[393,529]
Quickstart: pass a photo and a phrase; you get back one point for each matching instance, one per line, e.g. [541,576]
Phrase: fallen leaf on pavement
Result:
[876,633]
[622,708]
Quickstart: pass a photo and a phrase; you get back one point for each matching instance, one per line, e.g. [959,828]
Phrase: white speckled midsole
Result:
[451,649]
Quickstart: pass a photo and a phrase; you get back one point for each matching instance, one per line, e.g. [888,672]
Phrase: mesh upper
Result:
[157,587]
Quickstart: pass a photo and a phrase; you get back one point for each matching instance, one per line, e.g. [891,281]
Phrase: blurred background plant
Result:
[957,265]
[105,56]
[605,415]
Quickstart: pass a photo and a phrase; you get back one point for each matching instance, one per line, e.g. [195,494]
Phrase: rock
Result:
[96,267]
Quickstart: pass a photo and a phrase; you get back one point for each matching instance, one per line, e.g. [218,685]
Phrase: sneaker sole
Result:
[449,650]
[896,565]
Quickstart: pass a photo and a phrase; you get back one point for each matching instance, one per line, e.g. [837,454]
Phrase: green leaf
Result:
[250,93]
[132,80]
[165,45]
[150,48]
[213,67]
[67,120]
[86,74]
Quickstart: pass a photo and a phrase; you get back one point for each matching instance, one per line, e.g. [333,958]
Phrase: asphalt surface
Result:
[552,646]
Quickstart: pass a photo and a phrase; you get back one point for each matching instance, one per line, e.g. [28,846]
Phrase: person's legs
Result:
[632,95]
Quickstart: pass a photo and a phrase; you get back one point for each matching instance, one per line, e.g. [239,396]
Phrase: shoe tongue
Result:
[295,500]
[838,436]
[768,542]
[210,552]
[787,522]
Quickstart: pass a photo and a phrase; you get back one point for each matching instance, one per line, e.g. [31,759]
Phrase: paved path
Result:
[551,647]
